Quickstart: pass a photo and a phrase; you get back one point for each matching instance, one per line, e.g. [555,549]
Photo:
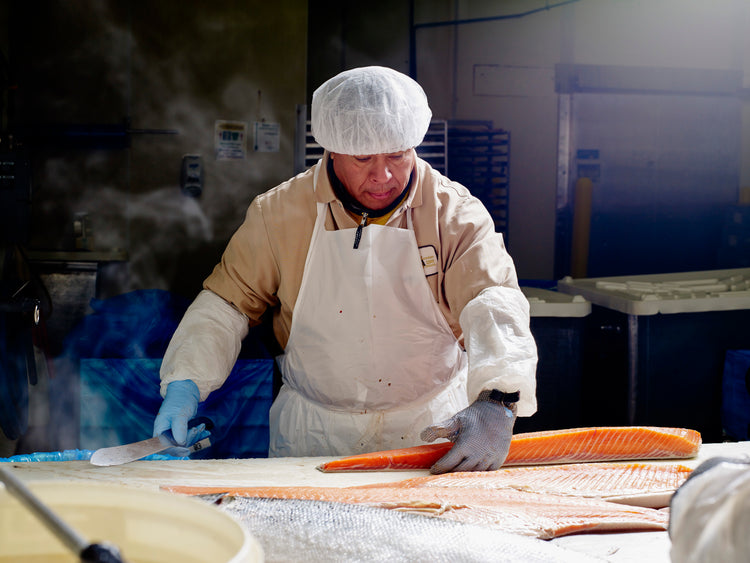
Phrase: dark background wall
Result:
[110,95]
[101,99]
[146,83]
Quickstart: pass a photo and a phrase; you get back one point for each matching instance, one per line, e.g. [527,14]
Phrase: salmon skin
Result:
[575,445]
[324,532]
[637,484]
[543,516]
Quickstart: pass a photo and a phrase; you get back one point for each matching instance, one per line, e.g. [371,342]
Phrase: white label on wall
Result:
[267,136]
[230,140]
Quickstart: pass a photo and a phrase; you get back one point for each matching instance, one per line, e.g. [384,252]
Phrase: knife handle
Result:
[201,420]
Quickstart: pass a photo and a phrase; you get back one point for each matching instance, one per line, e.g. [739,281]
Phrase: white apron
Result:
[370,359]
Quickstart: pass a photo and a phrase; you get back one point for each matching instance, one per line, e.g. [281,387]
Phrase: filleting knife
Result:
[117,455]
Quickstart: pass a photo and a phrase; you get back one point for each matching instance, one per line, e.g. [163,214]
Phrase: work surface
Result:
[640,547]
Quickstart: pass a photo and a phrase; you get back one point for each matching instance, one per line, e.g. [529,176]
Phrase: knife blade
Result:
[117,455]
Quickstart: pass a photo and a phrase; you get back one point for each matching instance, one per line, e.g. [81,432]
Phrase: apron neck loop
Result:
[358,234]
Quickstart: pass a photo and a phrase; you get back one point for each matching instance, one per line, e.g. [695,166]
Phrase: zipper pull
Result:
[358,234]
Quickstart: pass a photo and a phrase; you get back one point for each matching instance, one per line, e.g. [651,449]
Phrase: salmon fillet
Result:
[520,512]
[608,443]
[575,445]
[638,484]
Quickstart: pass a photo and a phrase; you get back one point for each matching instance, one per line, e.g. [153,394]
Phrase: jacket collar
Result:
[324,192]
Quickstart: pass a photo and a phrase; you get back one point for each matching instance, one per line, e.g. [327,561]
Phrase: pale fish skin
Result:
[316,531]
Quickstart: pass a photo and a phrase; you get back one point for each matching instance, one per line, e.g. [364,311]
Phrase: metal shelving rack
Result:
[434,147]
[479,158]
[313,151]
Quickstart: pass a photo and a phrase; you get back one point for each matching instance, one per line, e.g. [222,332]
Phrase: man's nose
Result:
[380,173]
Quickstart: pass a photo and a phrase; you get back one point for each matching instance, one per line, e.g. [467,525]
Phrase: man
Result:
[393,298]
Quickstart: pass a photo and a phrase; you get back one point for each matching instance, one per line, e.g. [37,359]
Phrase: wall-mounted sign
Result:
[267,136]
[230,140]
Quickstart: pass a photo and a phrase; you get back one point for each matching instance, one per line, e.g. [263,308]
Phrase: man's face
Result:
[374,180]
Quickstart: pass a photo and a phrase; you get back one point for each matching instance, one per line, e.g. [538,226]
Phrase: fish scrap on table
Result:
[315,531]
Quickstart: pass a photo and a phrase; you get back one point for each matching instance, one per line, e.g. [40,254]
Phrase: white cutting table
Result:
[640,547]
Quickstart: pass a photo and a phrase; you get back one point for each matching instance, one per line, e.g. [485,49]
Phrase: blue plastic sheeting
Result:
[120,399]
[735,409]
[108,375]
[69,455]
[138,324]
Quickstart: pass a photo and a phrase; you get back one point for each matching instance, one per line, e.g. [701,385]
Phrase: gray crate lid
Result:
[547,303]
[651,294]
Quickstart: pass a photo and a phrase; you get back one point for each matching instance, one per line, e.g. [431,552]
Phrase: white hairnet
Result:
[369,110]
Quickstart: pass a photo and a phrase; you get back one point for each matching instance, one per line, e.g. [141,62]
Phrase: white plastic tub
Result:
[658,344]
[147,526]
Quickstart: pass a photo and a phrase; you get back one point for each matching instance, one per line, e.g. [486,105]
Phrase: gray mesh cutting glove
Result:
[481,434]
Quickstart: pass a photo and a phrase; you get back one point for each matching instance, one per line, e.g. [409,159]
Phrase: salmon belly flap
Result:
[639,484]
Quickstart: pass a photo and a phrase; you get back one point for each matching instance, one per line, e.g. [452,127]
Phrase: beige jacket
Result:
[263,263]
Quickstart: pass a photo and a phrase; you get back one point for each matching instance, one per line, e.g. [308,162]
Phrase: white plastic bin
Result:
[557,321]
[658,344]
[147,526]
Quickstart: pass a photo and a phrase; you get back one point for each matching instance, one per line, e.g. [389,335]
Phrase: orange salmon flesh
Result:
[575,445]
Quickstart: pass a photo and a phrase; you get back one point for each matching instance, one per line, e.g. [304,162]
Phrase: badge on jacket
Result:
[429,260]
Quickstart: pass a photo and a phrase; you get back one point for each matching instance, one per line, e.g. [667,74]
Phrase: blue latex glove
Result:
[179,406]
[481,433]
